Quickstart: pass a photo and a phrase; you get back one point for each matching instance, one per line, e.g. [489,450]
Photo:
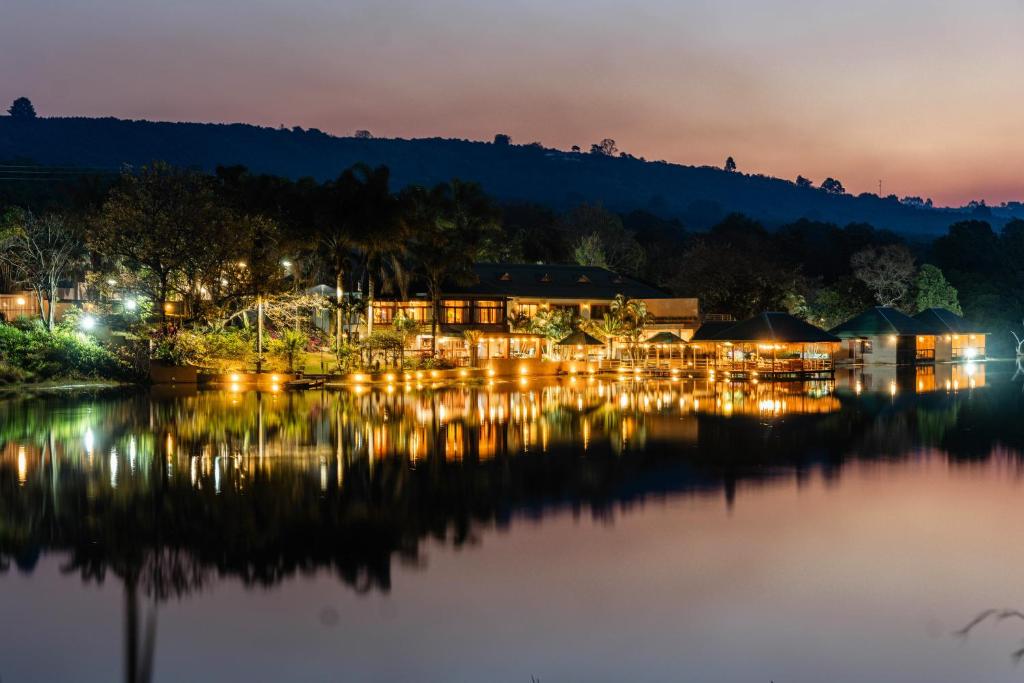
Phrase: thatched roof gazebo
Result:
[770,343]
[580,338]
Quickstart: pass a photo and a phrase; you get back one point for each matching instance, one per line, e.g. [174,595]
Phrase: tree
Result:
[832,186]
[803,182]
[502,140]
[589,251]
[447,226]
[363,135]
[934,291]
[608,327]
[289,346]
[576,148]
[346,217]
[473,338]
[600,232]
[633,318]
[42,251]
[730,165]
[887,271]
[605,148]
[160,225]
[22,109]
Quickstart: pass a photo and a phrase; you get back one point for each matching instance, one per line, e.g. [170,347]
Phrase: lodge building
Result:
[501,297]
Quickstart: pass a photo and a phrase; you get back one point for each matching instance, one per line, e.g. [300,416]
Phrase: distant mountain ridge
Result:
[699,196]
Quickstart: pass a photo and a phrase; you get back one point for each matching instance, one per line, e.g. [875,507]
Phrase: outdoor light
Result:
[130,304]
[970,352]
[21,301]
[87,323]
[111,282]
[286,263]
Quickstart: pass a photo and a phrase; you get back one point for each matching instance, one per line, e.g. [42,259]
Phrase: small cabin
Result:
[955,338]
[885,336]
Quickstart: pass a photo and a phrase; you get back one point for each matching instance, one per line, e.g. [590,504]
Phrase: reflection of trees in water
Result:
[167,493]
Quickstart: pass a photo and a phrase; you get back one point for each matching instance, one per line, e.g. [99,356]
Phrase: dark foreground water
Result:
[581,530]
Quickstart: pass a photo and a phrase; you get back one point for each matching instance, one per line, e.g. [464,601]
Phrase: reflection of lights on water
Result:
[892,388]
[970,368]
[89,440]
[132,452]
[113,468]
[22,465]
[623,401]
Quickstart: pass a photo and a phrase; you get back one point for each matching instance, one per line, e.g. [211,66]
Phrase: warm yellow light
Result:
[21,301]
[490,372]
[892,338]
[359,377]
[235,377]
[463,372]
[523,370]
[892,388]
[274,378]
[433,373]
[168,307]
[275,387]
[390,377]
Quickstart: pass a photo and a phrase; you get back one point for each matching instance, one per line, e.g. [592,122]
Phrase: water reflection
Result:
[168,493]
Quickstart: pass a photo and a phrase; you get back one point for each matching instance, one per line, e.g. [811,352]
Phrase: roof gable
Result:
[878,321]
[943,321]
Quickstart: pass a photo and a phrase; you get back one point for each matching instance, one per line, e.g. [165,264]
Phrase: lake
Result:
[581,529]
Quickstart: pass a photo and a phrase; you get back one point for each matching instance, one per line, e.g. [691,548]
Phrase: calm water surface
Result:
[573,530]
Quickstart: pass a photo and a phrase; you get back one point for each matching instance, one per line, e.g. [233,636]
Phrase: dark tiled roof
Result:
[777,327]
[710,330]
[941,321]
[879,321]
[544,281]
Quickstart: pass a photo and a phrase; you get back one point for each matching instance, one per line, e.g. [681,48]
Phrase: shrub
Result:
[33,353]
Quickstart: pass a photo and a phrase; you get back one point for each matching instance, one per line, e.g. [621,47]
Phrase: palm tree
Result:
[608,327]
[633,316]
[473,342]
[447,226]
[355,206]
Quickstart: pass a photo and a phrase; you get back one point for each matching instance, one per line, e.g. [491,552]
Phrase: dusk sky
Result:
[923,94]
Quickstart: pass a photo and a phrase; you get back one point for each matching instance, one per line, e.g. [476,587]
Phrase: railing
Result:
[925,355]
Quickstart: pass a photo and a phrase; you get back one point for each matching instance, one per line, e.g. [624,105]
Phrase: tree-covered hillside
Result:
[698,196]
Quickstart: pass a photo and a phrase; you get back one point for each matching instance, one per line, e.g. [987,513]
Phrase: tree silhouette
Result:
[502,140]
[803,182]
[22,109]
[730,165]
[832,186]
[363,134]
[606,148]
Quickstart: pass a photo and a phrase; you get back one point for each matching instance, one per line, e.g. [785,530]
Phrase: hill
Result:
[699,196]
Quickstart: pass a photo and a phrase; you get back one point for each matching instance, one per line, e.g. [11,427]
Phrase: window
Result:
[489,312]
[526,310]
[598,311]
[865,346]
[418,311]
[383,312]
[572,308]
[455,312]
